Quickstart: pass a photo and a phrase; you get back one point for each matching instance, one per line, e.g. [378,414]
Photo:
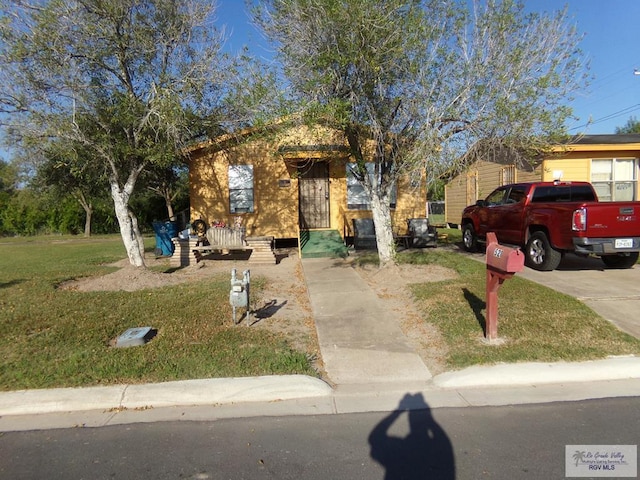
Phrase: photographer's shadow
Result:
[425,453]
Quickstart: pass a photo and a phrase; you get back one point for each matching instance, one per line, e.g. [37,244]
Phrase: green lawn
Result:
[53,337]
[537,323]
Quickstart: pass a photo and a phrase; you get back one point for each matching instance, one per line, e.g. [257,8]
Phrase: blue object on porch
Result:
[165,231]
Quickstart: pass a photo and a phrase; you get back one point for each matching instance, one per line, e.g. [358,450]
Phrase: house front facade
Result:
[278,184]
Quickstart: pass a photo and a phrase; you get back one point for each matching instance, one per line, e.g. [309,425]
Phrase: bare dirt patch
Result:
[283,306]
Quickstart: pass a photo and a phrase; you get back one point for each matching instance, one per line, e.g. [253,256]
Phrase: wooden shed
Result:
[479,179]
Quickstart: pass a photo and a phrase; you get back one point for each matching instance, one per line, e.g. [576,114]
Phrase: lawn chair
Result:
[421,233]
[364,234]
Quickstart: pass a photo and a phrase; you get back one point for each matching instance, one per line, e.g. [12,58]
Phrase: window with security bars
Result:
[241,188]
[508,175]
[615,179]
[357,197]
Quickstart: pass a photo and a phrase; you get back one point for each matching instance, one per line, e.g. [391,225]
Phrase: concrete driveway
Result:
[614,294]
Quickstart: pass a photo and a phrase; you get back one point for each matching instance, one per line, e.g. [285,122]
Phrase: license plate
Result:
[624,242]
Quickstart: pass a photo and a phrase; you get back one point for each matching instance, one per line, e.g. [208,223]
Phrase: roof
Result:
[612,139]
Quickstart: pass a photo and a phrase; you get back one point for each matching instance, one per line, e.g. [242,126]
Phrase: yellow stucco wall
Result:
[566,169]
[573,163]
[275,206]
[276,185]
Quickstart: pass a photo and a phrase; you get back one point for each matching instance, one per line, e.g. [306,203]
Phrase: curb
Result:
[217,391]
[534,373]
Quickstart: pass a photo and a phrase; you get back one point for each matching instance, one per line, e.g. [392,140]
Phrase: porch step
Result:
[322,243]
[261,249]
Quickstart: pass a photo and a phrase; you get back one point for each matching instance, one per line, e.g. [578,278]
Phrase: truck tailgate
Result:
[612,219]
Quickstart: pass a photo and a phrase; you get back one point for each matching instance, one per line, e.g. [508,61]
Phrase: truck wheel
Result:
[469,239]
[539,253]
[622,260]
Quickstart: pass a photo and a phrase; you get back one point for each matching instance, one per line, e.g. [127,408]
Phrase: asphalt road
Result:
[506,443]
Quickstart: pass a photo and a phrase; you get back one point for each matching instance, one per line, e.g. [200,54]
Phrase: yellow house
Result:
[277,184]
[609,162]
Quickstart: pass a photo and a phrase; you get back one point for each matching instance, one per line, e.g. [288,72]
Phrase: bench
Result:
[220,239]
[217,240]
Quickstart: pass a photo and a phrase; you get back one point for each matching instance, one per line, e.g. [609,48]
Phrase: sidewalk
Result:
[366,356]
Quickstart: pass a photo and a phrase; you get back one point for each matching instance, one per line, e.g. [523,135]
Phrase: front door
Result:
[313,181]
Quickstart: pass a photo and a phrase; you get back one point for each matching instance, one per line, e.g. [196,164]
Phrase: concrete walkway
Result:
[360,341]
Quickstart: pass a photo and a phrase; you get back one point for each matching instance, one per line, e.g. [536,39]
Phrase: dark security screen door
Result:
[314,195]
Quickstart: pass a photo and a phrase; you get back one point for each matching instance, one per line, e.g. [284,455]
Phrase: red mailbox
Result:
[502,263]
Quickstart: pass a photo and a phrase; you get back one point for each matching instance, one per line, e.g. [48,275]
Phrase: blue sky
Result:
[611,29]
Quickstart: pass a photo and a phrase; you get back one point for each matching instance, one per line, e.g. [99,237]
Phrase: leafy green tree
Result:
[69,170]
[171,184]
[417,83]
[27,212]
[8,179]
[632,126]
[123,79]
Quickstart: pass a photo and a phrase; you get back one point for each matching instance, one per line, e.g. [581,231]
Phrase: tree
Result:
[8,180]
[69,170]
[124,80]
[632,126]
[415,84]
[169,183]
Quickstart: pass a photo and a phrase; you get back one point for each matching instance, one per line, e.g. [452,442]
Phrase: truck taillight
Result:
[579,222]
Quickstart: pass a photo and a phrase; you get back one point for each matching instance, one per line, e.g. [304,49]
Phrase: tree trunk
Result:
[384,230]
[169,204]
[129,231]
[88,210]
[87,220]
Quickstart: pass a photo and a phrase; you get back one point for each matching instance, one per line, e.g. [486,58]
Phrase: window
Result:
[357,198]
[241,188]
[615,179]
[563,193]
[508,175]
[517,195]
[496,197]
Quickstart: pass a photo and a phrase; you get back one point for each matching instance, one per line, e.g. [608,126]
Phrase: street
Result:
[507,443]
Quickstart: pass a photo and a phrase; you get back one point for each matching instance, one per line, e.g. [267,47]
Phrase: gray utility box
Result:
[239,293]
[134,337]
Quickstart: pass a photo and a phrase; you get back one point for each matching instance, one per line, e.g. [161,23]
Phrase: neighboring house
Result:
[480,178]
[609,162]
[277,184]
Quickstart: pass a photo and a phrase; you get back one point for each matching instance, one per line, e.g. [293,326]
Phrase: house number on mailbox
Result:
[497,252]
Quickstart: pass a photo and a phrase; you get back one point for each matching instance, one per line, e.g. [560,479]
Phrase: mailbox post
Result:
[239,294]
[502,263]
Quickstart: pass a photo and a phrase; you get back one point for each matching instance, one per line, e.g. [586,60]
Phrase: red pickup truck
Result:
[547,219]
